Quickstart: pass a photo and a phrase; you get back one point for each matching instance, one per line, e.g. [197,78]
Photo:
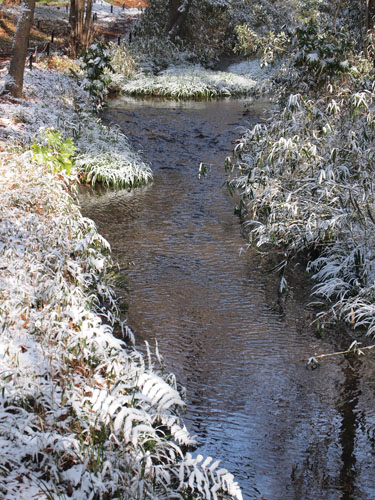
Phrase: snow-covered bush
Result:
[55,100]
[317,52]
[155,53]
[268,46]
[96,66]
[210,27]
[203,36]
[322,52]
[187,82]
[306,182]
[82,414]
[122,60]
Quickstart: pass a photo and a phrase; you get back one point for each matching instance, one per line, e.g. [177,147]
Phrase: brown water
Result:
[285,432]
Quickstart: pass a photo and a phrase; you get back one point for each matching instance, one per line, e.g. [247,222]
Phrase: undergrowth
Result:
[189,82]
[54,100]
[306,184]
[82,413]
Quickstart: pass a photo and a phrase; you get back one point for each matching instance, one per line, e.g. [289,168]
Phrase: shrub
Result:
[56,154]
[305,180]
[96,65]
[321,51]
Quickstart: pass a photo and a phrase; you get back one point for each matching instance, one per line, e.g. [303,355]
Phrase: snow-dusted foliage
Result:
[307,183]
[183,82]
[210,27]
[55,100]
[82,415]
[95,65]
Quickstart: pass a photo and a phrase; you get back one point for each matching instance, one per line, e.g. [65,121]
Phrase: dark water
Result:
[284,431]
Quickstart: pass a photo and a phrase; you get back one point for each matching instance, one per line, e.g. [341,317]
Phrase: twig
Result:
[354,348]
[342,352]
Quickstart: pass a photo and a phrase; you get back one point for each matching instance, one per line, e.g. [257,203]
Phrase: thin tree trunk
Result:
[173,6]
[362,25]
[87,24]
[177,14]
[80,25]
[14,83]
[370,14]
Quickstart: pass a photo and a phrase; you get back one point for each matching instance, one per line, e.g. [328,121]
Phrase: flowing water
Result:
[284,431]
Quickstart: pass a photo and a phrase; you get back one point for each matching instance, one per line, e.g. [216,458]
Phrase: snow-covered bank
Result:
[306,182]
[136,75]
[188,81]
[82,414]
[55,100]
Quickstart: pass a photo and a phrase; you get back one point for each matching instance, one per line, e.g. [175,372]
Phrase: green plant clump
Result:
[96,66]
[57,154]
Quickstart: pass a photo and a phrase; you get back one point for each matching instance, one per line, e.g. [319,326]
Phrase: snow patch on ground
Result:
[253,69]
[100,7]
[103,11]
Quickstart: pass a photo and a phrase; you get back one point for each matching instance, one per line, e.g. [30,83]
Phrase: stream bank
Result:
[80,411]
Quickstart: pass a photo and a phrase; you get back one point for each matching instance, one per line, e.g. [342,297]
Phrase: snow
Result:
[78,407]
[189,81]
[312,57]
[55,100]
[253,69]
[100,7]
[103,11]
[53,261]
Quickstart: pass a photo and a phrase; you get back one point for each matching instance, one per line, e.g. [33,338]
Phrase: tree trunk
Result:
[80,25]
[14,83]
[173,6]
[370,14]
[177,14]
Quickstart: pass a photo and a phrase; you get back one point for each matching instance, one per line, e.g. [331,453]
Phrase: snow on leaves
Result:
[306,182]
[80,413]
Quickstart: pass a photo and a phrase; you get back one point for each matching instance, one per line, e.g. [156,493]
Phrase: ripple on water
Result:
[286,432]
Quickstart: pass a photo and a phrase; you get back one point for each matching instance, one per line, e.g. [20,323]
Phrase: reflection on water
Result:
[287,433]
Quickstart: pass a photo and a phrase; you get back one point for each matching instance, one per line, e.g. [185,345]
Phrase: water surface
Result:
[284,431]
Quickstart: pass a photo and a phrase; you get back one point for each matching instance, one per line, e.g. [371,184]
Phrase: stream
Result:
[284,431]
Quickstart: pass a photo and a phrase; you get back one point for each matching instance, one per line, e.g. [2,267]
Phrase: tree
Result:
[370,14]
[80,19]
[177,14]
[14,83]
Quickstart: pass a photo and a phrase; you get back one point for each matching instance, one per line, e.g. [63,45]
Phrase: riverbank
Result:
[54,100]
[305,185]
[81,412]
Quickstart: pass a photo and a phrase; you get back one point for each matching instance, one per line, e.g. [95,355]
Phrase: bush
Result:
[322,52]
[96,65]
[56,154]
[306,182]
[269,46]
